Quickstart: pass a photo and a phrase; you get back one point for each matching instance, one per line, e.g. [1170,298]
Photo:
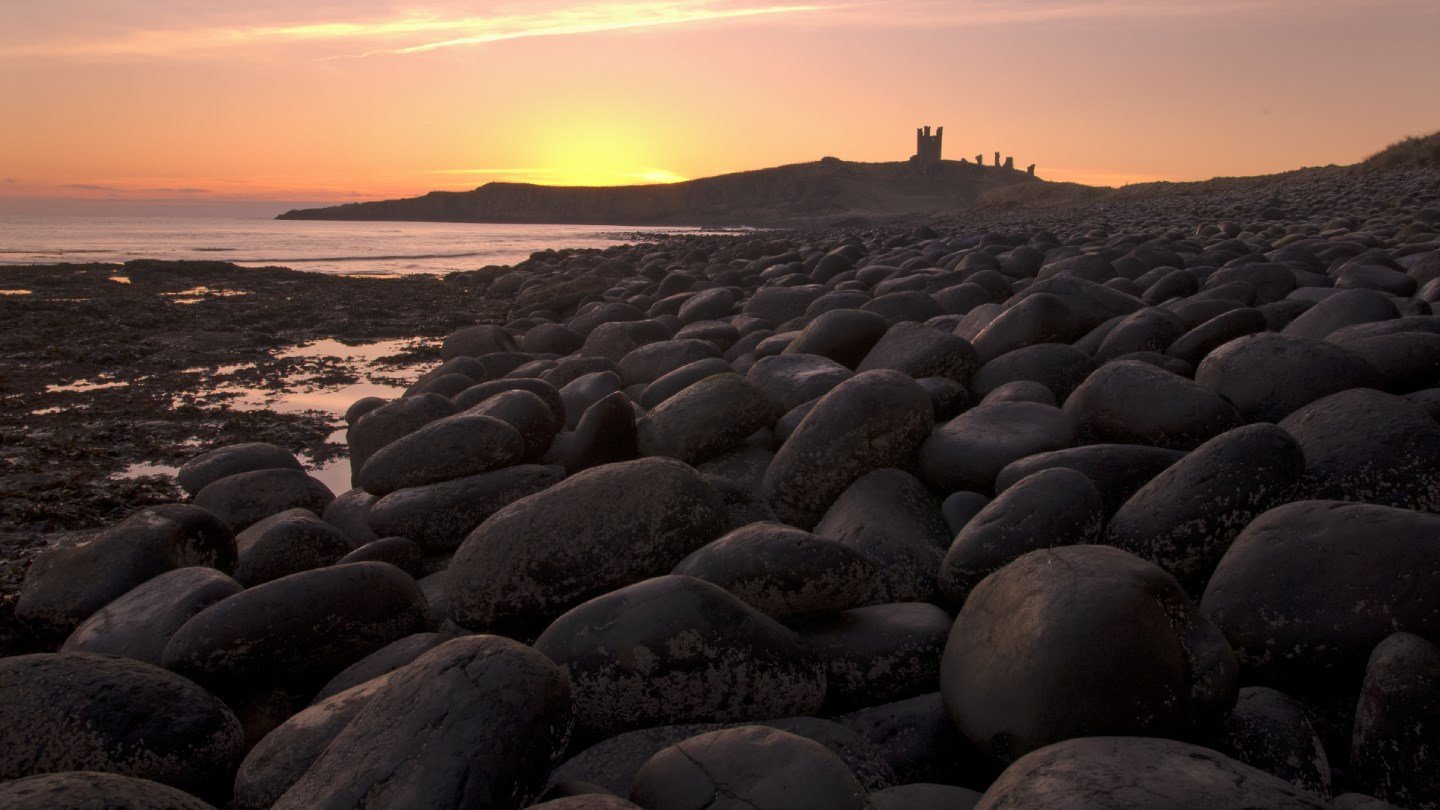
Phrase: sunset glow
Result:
[206,105]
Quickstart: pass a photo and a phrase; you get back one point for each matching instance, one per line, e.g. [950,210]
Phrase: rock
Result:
[287,752]
[395,655]
[1052,507]
[478,394]
[86,712]
[1036,319]
[959,508]
[528,415]
[969,451]
[842,335]
[1117,470]
[780,304]
[288,543]
[903,307]
[551,338]
[1021,391]
[588,801]
[400,552]
[207,468]
[582,392]
[1193,346]
[789,380]
[1268,376]
[389,422]
[477,721]
[350,513]
[879,653]
[474,341]
[1149,330]
[297,631]
[1308,589]
[947,397]
[680,379]
[588,535]
[653,361]
[750,767]
[782,571]
[918,741]
[1136,403]
[876,419]
[1093,304]
[93,790]
[1057,366]
[1364,445]
[1397,722]
[1185,518]
[708,305]
[1271,731]
[439,516]
[890,517]
[443,450]
[138,624]
[1406,362]
[1344,308]
[606,434]
[1138,773]
[705,420]
[1162,668]
[615,339]
[924,796]
[243,499]
[919,351]
[67,585]
[676,650]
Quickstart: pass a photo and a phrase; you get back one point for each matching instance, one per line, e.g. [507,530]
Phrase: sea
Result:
[341,248]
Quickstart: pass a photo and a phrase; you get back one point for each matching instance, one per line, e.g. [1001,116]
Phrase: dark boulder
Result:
[93,790]
[1059,367]
[920,351]
[138,624]
[705,419]
[389,422]
[1132,402]
[789,380]
[842,335]
[454,447]
[439,516]
[889,516]
[969,451]
[1117,470]
[1397,722]
[207,468]
[287,543]
[1272,731]
[879,653]
[1268,376]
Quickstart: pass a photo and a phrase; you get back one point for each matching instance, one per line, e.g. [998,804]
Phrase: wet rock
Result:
[64,587]
[876,419]
[288,543]
[85,712]
[1136,403]
[350,513]
[780,304]
[889,516]
[1397,722]
[93,790]
[449,448]
[1268,376]
[1185,517]
[1194,345]
[1364,445]
[1021,391]
[1057,366]
[207,468]
[678,649]
[138,624]
[1345,308]
[551,338]
[842,335]
[969,451]
[1149,330]
[1117,470]
[390,422]
[613,340]
[288,751]
[1271,731]
[904,307]
[782,571]
[297,631]
[1132,773]
[705,420]
[243,499]
[789,380]
[1308,589]
[439,516]
[1162,669]
[477,721]
[751,767]
[380,663]
[879,653]
[920,351]
[1406,362]
[581,393]
[597,531]
[478,394]
[400,552]
[1052,507]
[653,361]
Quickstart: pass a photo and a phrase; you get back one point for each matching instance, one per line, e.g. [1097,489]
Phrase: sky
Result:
[196,107]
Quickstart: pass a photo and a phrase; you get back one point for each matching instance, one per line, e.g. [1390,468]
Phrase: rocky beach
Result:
[1070,498]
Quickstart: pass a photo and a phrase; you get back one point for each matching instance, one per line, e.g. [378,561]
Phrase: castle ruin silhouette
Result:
[927,150]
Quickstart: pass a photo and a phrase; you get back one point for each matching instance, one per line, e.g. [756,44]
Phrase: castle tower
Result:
[927,146]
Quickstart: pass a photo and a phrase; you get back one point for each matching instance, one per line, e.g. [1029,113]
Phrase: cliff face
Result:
[800,192]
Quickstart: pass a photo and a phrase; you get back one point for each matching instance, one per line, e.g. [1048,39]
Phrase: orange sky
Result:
[193,105]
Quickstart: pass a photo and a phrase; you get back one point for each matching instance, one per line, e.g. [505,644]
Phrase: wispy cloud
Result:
[418,32]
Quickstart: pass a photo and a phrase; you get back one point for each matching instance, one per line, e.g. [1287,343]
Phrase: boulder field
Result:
[1124,508]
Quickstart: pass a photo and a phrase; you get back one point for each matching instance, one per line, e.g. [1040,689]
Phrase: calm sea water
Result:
[350,248]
